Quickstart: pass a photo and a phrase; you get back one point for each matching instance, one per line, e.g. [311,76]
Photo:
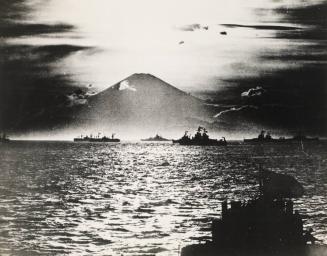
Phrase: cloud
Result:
[13,9]
[124,85]
[77,98]
[234,109]
[309,14]
[50,53]
[254,92]
[22,29]
[192,27]
[262,27]
[30,84]
[273,117]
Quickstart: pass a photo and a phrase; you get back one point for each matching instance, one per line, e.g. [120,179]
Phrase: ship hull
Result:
[209,249]
[207,143]
[264,141]
[153,140]
[258,141]
[97,140]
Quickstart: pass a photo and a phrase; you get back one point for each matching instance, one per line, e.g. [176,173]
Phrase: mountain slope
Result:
[141,101]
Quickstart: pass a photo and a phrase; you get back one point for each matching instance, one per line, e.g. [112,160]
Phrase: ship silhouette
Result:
[301,137]
[265,137]
[4,138]
[156,138]
[97,138]
[201,138]
[264,226]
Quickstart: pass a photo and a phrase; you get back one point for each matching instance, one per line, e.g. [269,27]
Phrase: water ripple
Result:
[137,199]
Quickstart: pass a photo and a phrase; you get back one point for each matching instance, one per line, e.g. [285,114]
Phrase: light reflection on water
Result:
[136,198]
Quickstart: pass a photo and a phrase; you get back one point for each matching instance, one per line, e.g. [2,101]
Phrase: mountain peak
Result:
[141,102]
[142,76]
[143,82]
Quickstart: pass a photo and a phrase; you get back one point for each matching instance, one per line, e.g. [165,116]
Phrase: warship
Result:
[264,226]
[156,138]
[4,138]
[201,138]
[301,137]
[265,137]
[97,138]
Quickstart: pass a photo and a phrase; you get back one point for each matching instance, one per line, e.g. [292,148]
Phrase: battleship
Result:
[266,225]
[4,138]
[301,137]
[156,138]
[97,138]
[265,137]
[201,138]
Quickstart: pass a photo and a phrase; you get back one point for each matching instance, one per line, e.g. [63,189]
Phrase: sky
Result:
[274,47]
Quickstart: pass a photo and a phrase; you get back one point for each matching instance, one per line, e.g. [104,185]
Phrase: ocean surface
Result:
[65,198]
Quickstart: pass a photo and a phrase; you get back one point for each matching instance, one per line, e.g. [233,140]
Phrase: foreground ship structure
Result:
[264,226]
[97,138]
[201,138]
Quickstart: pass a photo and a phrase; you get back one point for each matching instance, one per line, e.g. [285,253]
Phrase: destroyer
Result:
[265,137]
[201,138]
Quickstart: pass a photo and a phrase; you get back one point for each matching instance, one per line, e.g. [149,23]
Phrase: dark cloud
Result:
[304,34]
[308,14]
[76,100]
[23,29]
[295,94]
[311,16]
[32,93]
[294,100]
[289,32]
[13,10]
[50,53]
[78,97]
[276,117]
[30,89]
[296,57]
[263,27]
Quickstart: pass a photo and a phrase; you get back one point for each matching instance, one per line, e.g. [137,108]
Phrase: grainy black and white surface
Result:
[138,68]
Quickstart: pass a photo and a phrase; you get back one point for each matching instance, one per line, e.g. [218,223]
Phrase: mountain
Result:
[141,102]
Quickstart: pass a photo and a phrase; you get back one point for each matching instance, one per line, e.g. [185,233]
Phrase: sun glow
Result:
[143,36]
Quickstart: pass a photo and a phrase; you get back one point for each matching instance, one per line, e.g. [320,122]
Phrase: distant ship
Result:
[96,138]
[4,138]
[266,225]
[155,138]
[301,137]
[201,138]
[264,137]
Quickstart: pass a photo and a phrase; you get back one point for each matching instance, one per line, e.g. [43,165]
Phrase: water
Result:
[65,198]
